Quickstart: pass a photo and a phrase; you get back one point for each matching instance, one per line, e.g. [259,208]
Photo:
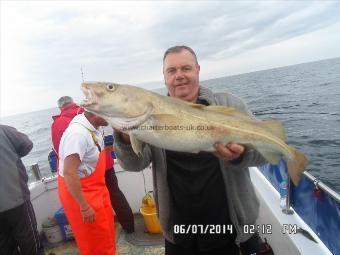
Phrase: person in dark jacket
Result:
[118,200]
[196,193]
[18,226]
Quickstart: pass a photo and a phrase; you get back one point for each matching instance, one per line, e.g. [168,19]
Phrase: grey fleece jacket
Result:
[13,176]
[242,201]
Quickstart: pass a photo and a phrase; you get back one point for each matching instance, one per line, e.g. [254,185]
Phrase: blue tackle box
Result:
[64,224]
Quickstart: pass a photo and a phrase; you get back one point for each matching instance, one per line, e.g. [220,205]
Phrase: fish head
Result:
[119,104]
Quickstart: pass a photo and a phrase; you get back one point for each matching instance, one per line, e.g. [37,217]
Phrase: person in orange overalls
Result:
[81,185]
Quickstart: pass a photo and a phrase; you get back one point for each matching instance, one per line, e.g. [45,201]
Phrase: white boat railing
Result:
[319,184]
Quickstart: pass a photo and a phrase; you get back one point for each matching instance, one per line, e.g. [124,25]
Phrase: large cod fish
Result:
[174,124]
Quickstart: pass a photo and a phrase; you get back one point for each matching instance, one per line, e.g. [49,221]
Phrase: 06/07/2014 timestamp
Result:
[260,228]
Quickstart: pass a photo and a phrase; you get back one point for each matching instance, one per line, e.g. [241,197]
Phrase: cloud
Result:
[44,44]
[222,30]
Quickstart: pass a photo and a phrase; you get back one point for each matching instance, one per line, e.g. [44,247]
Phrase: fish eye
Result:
[110,87]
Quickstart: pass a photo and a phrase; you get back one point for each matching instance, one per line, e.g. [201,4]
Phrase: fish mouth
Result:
[90,98]
[91,104]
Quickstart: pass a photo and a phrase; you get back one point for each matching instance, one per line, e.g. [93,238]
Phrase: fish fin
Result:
[297,165]
[274,127]
[228,111]
[137,145]
[272,157]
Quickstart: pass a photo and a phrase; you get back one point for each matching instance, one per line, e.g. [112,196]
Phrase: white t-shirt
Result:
[77,139]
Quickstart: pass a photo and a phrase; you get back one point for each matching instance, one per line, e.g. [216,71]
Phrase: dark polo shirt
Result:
[199,197]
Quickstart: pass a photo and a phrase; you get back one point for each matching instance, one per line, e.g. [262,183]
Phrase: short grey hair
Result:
[65,100]
[179,49]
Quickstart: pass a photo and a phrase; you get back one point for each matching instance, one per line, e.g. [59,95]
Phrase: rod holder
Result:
[36,171]
[287,209]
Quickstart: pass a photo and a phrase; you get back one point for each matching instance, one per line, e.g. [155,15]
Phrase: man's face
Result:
[181,75]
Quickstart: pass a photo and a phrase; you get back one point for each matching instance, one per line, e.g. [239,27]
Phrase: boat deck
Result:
[137,243]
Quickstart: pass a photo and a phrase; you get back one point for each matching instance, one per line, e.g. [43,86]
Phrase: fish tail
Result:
[296,165]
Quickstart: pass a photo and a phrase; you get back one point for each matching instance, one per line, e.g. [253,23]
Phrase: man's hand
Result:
[88,214]
[230,151]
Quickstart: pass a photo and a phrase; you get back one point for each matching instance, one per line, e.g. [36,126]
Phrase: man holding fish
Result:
[202,186]
[195,180]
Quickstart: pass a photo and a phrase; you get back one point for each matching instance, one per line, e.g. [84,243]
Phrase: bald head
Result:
[63,101]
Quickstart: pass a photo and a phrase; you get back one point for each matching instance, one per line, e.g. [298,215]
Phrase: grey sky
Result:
[44,44]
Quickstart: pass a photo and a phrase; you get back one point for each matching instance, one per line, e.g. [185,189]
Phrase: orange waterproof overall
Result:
[98,237]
